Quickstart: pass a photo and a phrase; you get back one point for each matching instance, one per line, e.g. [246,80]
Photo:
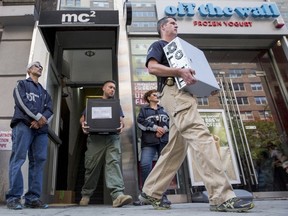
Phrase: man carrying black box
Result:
[104,149]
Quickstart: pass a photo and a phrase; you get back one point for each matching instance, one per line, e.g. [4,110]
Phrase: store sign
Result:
[224,17]
[211,10]
[82,17]
[250,127]
[78,17]
[5,140]
[140,88]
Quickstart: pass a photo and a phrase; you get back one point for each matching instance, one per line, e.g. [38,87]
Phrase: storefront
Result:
[246,47]
[245,43]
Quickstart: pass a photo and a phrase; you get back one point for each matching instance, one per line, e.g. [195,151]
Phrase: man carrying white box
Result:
[187,128]
[181,54]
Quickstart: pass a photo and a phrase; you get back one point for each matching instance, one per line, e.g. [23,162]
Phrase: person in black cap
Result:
[32,114]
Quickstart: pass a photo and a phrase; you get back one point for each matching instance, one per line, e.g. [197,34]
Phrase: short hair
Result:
[162,22]
[147,94]
[109,81]
[31,64]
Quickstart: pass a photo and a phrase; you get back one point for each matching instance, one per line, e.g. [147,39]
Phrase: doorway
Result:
[83,73]
[84,55]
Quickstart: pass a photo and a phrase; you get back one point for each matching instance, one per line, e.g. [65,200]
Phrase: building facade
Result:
[82,43]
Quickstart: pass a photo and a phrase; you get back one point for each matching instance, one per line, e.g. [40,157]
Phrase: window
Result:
[143,14]
[238,86]
[139,49]
[144,24]
[242,100]
[235,73]
[142,4]
[71,3]
[260,100]
[202,101]
[100,4]
[265,115]
[256,87]
[247,116]
[228,100]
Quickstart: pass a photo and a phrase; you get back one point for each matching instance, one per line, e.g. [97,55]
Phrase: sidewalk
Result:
[262,208]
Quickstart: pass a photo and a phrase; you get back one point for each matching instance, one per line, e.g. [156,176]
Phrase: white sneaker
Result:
[84,201]
[122,200]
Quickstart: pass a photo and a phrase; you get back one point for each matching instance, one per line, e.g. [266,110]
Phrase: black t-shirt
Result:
[156,52]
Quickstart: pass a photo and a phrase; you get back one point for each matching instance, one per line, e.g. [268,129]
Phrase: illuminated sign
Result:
[224,17]
[210,10]
[81,17]
[73,17]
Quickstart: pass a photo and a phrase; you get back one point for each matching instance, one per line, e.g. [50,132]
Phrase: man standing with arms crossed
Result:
[187,128]
[32,113]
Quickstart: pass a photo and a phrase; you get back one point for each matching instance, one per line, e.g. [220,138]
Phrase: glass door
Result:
[253,97]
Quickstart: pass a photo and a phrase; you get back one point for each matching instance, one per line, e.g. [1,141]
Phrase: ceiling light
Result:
[89,53]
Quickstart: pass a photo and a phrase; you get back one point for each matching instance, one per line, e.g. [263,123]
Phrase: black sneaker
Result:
[233,205]
[138,203]
[15,204]
[35,204]
[165,199]
[158,204]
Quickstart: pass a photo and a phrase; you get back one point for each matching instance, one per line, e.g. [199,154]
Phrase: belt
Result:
[170,81]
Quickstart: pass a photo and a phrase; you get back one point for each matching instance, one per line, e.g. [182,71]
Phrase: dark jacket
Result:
[148,120]
[32,102]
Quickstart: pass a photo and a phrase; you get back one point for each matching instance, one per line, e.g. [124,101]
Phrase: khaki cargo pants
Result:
[187,128]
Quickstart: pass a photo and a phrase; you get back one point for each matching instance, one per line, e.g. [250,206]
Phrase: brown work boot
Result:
[122,200]
[84,201]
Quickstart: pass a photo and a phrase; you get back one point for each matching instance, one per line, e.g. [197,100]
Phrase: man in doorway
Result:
[32,113]
[187,128]
[104,150]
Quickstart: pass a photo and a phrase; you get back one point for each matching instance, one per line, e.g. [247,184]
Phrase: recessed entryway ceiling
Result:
[87,66]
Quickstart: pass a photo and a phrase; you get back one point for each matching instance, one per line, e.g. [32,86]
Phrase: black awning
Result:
[79,29]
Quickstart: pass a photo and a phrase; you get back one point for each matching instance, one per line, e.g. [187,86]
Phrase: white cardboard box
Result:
[181,54]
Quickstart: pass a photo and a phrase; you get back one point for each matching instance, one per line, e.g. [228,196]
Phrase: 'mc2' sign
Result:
[82,17]
[209,10]
[74,18]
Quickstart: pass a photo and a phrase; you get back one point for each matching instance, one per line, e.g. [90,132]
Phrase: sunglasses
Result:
[155,95]
[38,66]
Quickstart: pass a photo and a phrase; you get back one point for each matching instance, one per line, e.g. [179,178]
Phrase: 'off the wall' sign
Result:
[224,17]
[210,10]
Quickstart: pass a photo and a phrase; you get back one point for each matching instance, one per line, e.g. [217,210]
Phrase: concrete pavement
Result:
[262,208]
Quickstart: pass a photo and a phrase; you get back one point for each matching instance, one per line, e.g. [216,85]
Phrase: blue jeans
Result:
[25,139]
[146,163]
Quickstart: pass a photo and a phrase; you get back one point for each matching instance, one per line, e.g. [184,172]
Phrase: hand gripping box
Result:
[181,54]
[103,115]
